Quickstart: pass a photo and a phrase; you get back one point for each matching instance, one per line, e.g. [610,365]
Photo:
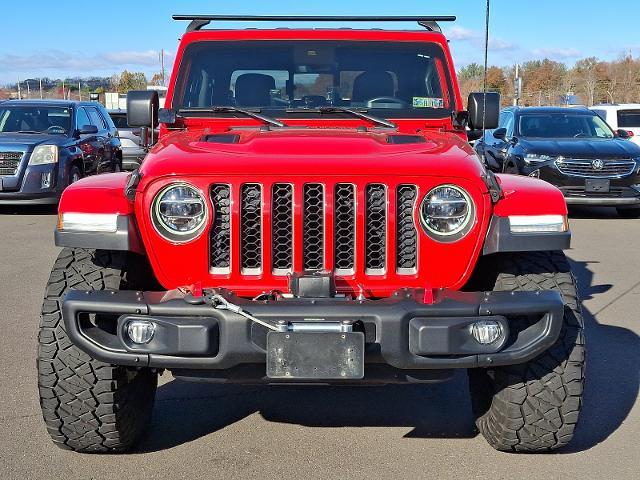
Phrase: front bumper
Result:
[401,332]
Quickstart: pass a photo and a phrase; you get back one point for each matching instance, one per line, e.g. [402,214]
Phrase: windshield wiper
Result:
[356,113]
[230,109]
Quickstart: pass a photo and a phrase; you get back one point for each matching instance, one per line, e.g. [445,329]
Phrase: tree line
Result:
[547,82]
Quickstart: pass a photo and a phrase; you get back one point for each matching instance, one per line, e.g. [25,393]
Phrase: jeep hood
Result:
[310,151]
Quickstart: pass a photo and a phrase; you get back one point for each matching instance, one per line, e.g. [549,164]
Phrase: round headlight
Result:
[447,212]
[179,212]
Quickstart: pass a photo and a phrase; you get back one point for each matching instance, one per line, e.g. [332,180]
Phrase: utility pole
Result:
[28,89]
[63,94]
[19,91]
[517,87]
[162,65]
[41,88]
[79,92]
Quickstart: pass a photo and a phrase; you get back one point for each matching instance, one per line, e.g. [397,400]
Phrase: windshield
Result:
[563,125]
[119,120]
[285,78]
[35,119]
[629,118]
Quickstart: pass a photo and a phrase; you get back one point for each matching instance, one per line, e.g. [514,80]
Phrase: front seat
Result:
[372,84]
[254,90]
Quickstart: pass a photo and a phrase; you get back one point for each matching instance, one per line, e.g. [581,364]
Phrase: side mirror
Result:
[483,106]
[624,134]
[88,130]
[500,134]
[142,108]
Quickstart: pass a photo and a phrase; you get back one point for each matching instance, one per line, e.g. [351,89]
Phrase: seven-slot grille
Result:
[9,162]
[595,168]
[318,202]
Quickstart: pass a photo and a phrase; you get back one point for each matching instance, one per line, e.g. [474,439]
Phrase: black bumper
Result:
[400,332]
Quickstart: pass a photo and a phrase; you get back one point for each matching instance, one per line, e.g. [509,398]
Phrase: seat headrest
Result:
[253,89]
[372,84]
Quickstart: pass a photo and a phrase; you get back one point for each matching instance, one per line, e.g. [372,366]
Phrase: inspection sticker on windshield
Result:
[428,102]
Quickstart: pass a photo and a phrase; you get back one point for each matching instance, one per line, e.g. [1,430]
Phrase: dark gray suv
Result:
[46,145]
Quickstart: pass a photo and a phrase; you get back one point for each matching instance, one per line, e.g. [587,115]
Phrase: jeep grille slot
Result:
[344,246]
[313,227]
[282,228]
[220,235]
[251,228]
[406,232]
[376,229]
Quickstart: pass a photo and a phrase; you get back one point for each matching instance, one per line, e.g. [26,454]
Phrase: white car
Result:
[623,116]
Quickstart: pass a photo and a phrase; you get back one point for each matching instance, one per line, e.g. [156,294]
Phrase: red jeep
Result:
[311,213]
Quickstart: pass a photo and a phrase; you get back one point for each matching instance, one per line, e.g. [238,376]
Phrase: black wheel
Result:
[633,212]
[74,174]
[534,406]
[87,405]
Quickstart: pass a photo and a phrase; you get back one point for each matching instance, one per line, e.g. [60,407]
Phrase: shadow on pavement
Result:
[613,371]
[28,209]
[186,411]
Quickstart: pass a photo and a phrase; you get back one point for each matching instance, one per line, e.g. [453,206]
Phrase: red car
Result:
[311,213]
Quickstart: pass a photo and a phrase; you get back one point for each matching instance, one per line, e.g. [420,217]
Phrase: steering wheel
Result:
[53,128]
[371,101]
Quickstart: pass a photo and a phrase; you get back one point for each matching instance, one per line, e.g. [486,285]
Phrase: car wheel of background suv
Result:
[88,405]
[533,406]
[74,174]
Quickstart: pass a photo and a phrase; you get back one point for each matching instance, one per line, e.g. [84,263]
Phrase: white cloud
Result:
[57,63]
[557,53]
[461,33]
[476,38]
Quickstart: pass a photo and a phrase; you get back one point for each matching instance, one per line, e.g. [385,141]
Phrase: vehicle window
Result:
[119,120]
[35,119]
[82,118]
[601,113]
[508,123]
[563,125]
[96,118]
[629,118]
[388,79]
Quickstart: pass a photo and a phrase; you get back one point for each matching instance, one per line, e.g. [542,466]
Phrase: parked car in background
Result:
[132,152]
[625,116]
[573,149]
[45,145]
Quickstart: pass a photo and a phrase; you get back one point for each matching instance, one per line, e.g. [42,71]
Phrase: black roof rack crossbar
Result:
[199,21]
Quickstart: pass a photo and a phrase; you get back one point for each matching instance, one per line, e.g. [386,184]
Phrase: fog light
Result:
[486,332]
[140,331]
[45,180]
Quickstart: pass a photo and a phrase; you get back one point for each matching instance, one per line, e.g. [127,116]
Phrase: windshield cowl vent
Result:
[221,138]
[405,139]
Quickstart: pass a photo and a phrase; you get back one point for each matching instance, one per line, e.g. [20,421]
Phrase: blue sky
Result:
[69,38]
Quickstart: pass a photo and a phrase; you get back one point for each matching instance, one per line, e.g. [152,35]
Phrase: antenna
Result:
[486,67]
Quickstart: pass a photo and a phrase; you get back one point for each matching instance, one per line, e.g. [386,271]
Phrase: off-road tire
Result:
[87,405]
[534,406]
[633,212]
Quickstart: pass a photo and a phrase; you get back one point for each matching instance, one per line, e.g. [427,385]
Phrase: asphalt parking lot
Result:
[208,431]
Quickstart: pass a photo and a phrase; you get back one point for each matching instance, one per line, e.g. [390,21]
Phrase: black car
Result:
[47,144]
[572,148]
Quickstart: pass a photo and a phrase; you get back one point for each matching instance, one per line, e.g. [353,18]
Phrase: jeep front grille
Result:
[9,162]
[406,232]
[283,227]
[588,168]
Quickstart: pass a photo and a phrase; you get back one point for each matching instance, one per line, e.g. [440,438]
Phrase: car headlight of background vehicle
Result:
[179,212]
[43,155]
[447,213]
[530,158]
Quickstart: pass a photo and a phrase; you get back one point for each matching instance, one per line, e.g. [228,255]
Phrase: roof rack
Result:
[199,21]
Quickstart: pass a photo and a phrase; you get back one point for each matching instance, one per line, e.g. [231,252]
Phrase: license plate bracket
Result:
[315,355]
[597,185]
